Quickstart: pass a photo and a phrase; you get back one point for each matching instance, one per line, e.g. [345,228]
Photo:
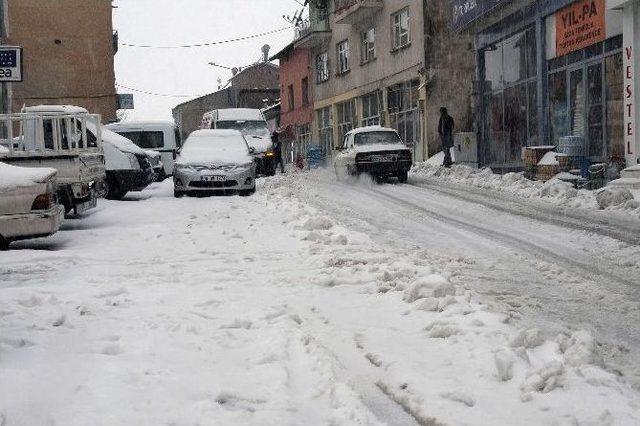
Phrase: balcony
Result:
[354,11]
[311,34]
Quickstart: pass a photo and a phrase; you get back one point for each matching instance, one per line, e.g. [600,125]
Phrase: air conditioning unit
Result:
[465,145]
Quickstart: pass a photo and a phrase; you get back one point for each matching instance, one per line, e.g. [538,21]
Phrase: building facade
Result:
[548,69]
[68,48]
[253,87]
[367,57]
[296,94]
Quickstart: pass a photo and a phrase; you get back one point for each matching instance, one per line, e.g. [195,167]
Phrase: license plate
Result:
[213,178]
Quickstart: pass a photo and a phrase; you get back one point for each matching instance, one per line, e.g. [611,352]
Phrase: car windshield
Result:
[217,144]
[248,128]
[372,138]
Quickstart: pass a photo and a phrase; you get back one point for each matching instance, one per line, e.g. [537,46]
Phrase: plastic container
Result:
[573,146]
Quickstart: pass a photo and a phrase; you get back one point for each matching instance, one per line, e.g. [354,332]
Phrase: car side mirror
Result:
[252,150]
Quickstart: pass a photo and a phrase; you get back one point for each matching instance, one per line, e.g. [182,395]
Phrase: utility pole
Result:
[5,103]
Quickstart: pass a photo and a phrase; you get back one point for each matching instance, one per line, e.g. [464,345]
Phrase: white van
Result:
[251,123]
[160,136]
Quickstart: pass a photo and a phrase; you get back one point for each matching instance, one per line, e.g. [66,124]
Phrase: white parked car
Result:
[217,161]
[28,203]
[159,136]
[375,150]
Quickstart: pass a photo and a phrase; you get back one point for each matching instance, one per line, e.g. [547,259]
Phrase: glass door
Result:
[595,111]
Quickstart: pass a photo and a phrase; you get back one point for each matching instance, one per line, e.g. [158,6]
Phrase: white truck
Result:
[57,137]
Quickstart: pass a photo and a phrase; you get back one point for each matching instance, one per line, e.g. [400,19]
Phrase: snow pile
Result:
[12,177]
[554,191]
[615,197]
[549,159]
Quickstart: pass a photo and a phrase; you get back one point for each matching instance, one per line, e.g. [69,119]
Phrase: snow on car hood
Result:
[380,147]
[260,143]
[203,155]
[12,177]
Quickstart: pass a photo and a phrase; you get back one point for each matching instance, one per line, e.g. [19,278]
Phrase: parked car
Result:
[251,123]
[128,166]
[28,203]
[215,161]
[56,136]
[374,150]
[159,136]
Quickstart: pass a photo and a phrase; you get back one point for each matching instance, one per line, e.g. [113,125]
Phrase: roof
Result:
[239,114]
[140,124]
[366,129]
[257,64]
[215,133]
[285,51]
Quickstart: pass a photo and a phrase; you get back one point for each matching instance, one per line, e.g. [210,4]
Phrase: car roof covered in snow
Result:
[137,125]
[12,177]
[369,129]
[240,114]
[215,133]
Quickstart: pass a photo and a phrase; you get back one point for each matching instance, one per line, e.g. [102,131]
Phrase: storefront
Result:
[547,69]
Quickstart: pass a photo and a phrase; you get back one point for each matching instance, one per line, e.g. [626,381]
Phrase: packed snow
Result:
[554,191]
[270,310]
[12,177]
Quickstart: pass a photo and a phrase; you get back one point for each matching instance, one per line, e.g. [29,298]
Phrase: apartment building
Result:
[367,57]
[68,48]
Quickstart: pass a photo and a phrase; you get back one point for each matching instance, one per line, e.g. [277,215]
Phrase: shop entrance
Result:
[585,99]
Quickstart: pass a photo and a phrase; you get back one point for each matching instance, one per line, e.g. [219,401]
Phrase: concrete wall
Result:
[293,68]
[450,63]
[388,68]
[68,53]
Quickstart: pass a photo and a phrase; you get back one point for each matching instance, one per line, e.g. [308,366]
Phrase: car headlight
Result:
[133,160]
[184,168]
[269,154]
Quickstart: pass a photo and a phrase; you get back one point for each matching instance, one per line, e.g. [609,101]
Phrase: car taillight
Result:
[43,202]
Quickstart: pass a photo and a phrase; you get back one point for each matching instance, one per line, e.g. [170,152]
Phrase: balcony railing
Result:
[309,34]
[354,11]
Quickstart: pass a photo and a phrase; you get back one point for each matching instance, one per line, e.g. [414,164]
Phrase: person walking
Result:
[277,150]
[445,130]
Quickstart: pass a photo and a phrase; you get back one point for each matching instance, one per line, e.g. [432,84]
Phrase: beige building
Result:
[368,57]
[68,48]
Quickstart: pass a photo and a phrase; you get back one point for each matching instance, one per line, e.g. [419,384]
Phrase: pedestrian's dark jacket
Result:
[445,130]
[277,147]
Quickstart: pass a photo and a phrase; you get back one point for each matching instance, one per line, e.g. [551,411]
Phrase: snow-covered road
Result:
[316,303]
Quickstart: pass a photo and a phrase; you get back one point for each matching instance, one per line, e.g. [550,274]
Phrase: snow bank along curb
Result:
[553,191]
[473,359]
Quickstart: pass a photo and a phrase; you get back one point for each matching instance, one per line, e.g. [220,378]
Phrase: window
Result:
[322,67]
[346,117]
[400,29]
[368,45]
[290,94]
[343,56]
[325,127]
[371,109]
[404,113]
[305,91]
[146,140]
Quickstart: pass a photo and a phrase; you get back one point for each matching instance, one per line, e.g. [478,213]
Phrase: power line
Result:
[212,43]
[163,95]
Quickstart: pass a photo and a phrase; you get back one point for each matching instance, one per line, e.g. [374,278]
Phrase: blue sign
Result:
[467,11]
[10,63]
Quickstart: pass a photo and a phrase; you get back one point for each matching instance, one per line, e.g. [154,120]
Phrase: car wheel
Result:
[248,192]
[403,177]
[178,194]
[4,243]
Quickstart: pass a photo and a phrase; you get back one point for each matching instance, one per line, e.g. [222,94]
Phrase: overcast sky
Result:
[185,71]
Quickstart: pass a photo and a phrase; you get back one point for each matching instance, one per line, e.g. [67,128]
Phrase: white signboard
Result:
[10,63]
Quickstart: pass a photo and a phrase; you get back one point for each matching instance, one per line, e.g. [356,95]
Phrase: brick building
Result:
[253,87]
[69,48]
[296,93]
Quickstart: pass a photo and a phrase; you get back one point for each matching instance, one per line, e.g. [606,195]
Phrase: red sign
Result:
[580,25]
[629,112]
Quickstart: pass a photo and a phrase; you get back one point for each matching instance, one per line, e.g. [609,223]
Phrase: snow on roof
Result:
[120,142]
[12,177]
[125,125]
[240,114]
[62,109]
[370,129]
[215,133]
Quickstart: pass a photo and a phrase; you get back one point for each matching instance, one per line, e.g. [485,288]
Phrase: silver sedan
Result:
[215,161]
